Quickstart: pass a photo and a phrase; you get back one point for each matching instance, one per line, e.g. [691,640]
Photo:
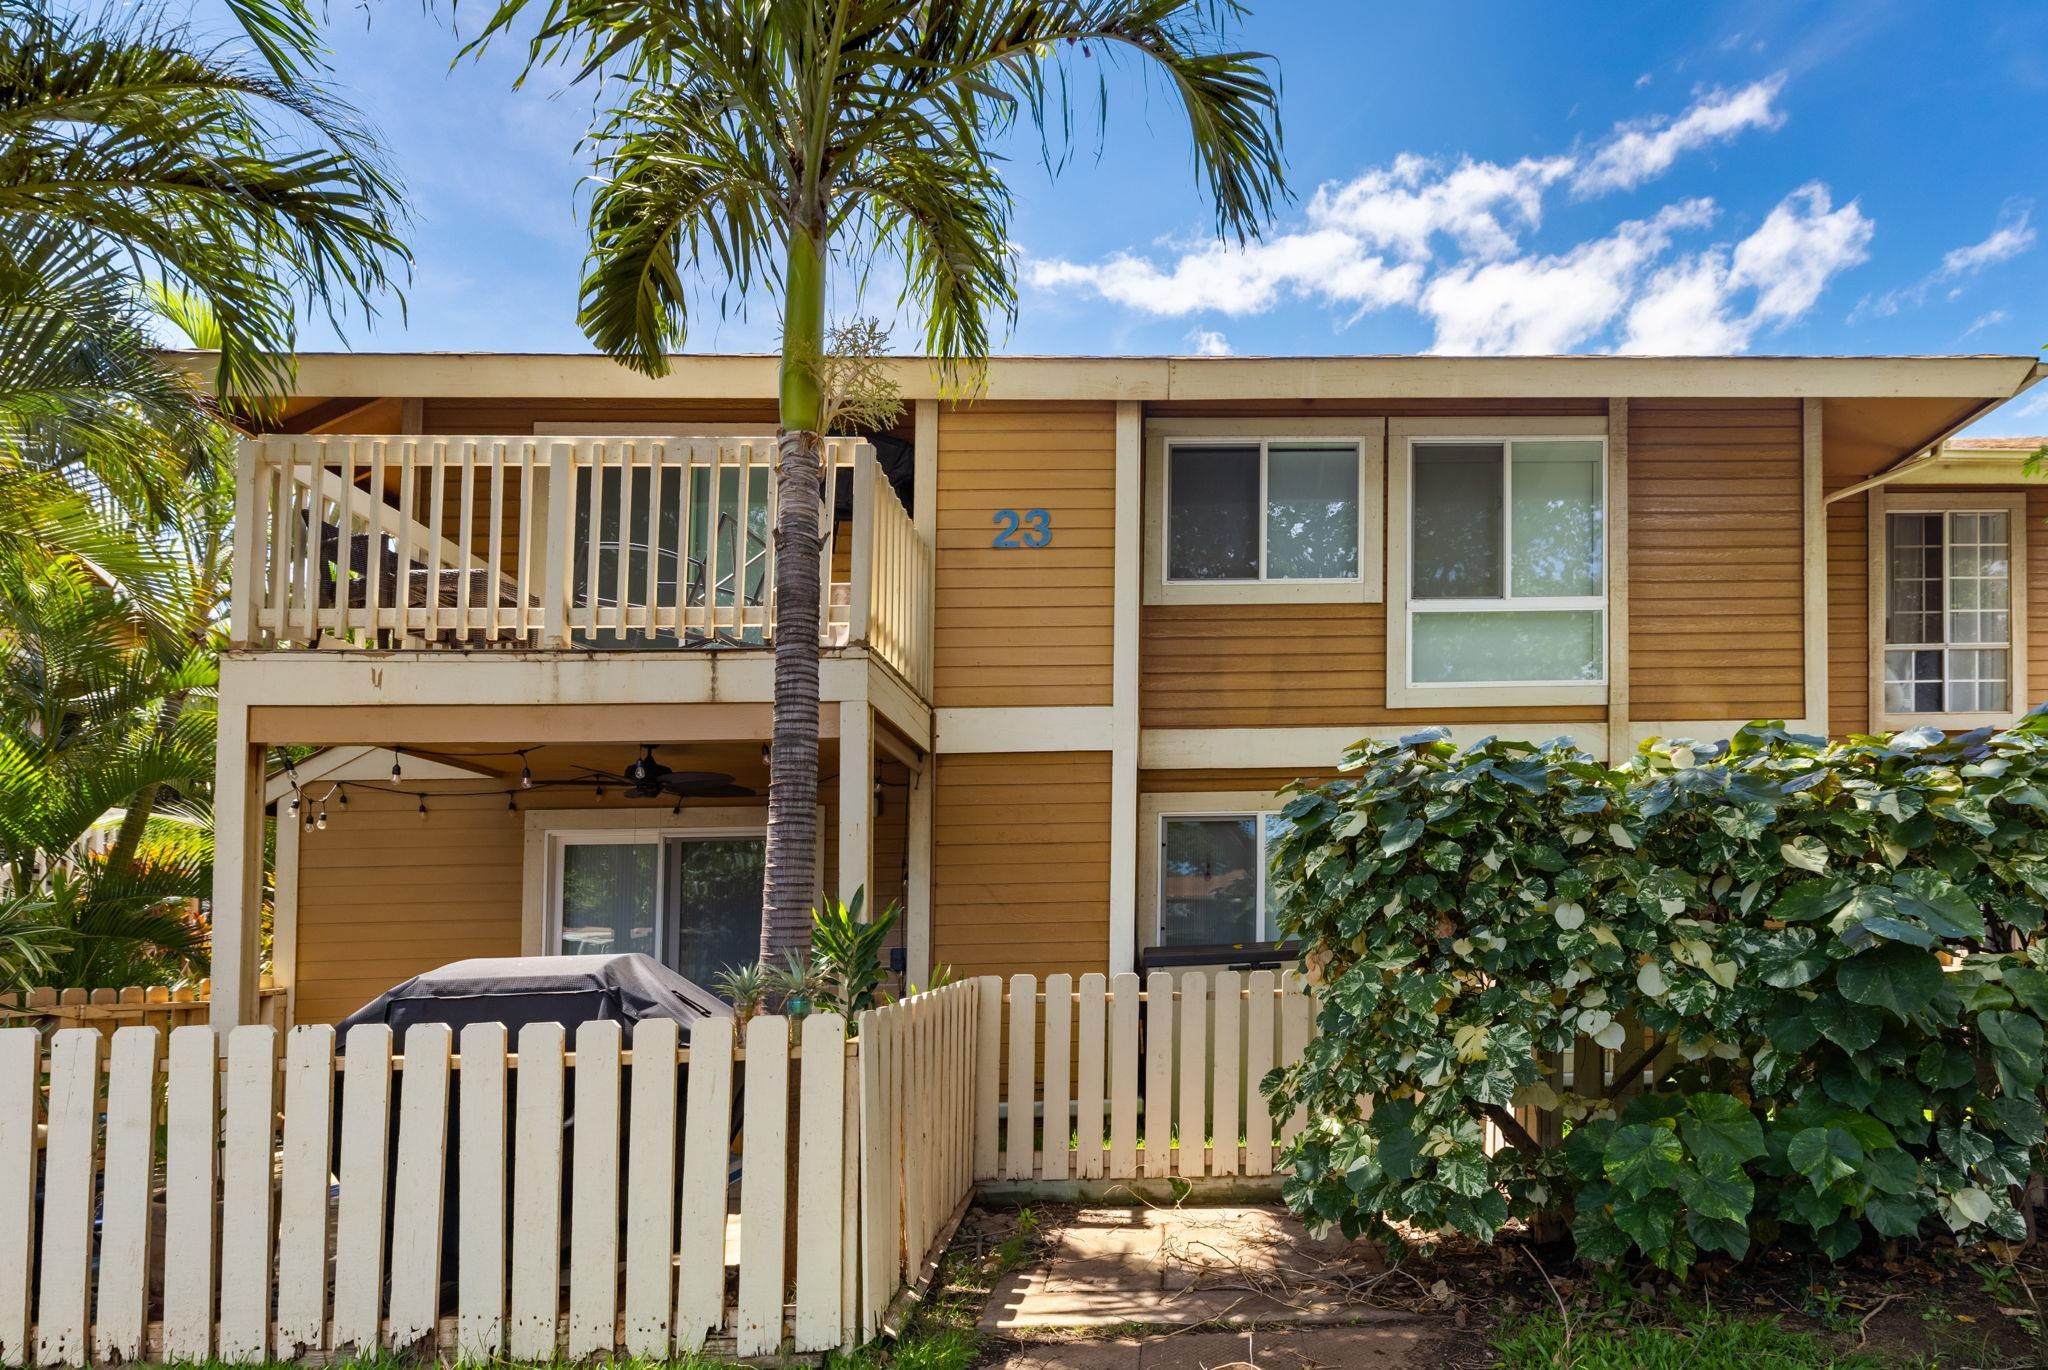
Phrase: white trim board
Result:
[1057,728]
[1167,749]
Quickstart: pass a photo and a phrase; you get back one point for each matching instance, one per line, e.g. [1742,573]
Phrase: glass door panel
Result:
[715,904]
[611,893]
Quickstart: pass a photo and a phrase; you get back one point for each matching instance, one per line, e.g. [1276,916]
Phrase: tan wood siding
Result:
[1714,559]
[1227,781]
[1848,617]
[385,894]
[1020,863]
[1023,628]
[1285,666]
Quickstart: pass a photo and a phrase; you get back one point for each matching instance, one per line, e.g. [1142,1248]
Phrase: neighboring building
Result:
[1079,629]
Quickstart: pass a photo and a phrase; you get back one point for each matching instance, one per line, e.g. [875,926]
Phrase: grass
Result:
[1702,1341]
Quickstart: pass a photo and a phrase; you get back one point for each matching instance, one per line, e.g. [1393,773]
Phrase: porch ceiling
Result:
[571,761]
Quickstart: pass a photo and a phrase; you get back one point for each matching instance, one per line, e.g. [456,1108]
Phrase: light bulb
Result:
[321,821]
[525,778]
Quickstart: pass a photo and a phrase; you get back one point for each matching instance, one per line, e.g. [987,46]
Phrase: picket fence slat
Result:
[62,1297]
[1223,1098]
[416,1194]
[247,1158]
[1059,1021]
[1294,1034]
[1123,1078]
[302,1194]
[359,1221]
[700,1280]
[21,1052]
[1018,1149]
[1090,1118]
[651,1189]
[537,1194]
[480,1195]
[594,1192]
[763,1187]
[1159,1015]
[1258,1060]
[190,1123]
[988,1076]
[820,1175]
[122,1303]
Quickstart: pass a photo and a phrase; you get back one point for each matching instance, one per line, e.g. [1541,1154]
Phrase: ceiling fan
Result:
[647,778]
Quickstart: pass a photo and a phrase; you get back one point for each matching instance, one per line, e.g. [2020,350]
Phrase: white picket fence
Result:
[488,1198]
[1117,1081]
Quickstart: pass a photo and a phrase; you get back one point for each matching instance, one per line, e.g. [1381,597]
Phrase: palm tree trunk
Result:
[792,853]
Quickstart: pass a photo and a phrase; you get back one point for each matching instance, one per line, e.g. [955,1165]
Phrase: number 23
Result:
[1032,529]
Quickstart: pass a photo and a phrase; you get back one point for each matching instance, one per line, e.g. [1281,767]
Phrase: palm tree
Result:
[768,136]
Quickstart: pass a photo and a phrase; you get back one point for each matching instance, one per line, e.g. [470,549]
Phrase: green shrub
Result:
[1827,950]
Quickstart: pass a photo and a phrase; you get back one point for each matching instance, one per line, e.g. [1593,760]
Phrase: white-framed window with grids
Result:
[1948,608]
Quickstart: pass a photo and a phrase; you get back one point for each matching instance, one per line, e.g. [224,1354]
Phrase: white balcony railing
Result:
[545,542]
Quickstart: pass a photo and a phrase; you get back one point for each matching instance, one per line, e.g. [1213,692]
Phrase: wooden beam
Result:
[327,413]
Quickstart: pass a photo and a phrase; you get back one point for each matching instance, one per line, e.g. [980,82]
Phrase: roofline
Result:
[583,375]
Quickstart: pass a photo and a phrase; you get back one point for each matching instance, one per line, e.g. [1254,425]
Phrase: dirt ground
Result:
[1100,1286]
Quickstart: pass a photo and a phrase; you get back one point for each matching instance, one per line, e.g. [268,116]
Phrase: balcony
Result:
[539,543]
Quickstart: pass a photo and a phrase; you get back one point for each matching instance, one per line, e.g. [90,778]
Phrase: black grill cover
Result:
[517,990]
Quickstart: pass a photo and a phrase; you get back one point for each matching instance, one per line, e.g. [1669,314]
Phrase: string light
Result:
[396,774]
[511,803]
[423,806]
[525,773]
[293,809]
[342,796]
[321,821]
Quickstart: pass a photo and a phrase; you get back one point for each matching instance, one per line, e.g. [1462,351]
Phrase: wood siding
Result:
[1714,560]
[1020,863]
[385,894]
[1849,663]
[1227,781]
[1025,627]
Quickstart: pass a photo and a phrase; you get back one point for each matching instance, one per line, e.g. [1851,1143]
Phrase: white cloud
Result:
[1984,321]
[1207,342]
[1229,279]
[1694,306]
[1447,240]
[2007,240]
[1555,303]
[1645,149]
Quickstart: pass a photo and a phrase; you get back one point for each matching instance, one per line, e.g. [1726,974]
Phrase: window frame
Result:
[1886,501]
[549,830]
[1161,435]
[1156,810]
[1403,691]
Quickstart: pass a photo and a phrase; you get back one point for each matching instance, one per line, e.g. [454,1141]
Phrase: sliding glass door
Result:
[691,902]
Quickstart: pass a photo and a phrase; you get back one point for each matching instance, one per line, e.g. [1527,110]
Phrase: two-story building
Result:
[1079,629]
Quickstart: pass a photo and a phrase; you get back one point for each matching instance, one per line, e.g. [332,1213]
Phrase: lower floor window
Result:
[693,903]
[1948,612]
[1213,882]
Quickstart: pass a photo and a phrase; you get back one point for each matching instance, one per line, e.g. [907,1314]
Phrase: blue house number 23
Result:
[1018,531]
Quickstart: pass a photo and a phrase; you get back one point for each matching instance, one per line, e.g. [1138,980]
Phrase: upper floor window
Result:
[1250,511]
[1506,576]
[1951,609]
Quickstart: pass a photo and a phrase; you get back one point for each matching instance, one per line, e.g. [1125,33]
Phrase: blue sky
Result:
[1754,177]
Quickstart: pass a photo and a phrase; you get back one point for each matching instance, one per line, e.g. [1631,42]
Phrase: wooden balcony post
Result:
[561,544]
[251,557]
[237,869]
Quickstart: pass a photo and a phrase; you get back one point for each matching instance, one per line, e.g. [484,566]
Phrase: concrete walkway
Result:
[1183,1267]
[1411,1346]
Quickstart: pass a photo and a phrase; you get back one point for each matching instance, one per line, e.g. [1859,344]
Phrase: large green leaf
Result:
[1642,1157]
[1717,1189]
[1897,978]
[1824,1155]
[1720,1128]
[2015,1042]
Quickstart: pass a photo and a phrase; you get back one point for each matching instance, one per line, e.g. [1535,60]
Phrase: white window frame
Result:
[549,830]
[1154,810]
[1403,691]
[1884,503]
[1364,588]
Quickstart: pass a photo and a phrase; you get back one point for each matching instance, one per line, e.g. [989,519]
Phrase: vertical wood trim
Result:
[1090,1134]
[248,559]
[284,912]
[1814,567]
[987,1075]
[1126,597]
[856,800]
[1194,1083]
[1258,1060]
[1618,745]
[247,1153]
[1059,1038]
[359,1224]
[412,414]
[1224,1107]
[537,1193]
[1873,596]
[924,479]
[1159,1078]
[237,868]
[1018,1150]
[917,932]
